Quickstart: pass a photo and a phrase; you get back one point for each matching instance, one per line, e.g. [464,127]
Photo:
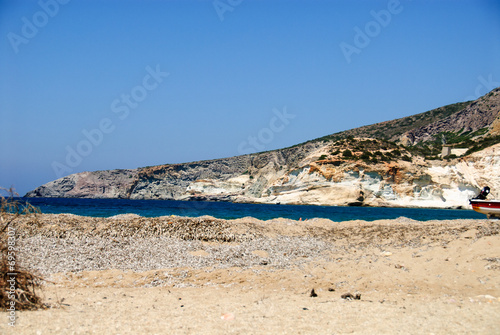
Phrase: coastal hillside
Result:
[452,124]
[392,163]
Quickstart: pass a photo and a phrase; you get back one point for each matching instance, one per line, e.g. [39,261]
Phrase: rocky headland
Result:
[393,163]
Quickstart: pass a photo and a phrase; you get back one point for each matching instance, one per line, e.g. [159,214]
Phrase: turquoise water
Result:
[225,210]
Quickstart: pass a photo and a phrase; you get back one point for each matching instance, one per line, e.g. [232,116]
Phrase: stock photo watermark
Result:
[121,107]
[373,28]
[31,26]
[223,6]
[266,135]
[485,85]
[11,275]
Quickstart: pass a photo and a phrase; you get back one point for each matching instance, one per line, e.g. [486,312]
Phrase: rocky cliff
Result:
[399,183]
[366,170]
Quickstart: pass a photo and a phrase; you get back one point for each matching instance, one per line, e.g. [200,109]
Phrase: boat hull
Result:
[488,207]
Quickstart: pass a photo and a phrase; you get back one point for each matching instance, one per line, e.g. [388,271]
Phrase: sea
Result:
[227,210]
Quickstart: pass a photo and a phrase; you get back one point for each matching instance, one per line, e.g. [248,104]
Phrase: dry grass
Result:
[125,226]
[18,287]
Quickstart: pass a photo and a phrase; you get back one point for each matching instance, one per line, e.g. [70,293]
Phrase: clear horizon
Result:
[93,85]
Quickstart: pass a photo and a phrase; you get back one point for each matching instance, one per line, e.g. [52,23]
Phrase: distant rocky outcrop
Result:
[98,184]
[367,169]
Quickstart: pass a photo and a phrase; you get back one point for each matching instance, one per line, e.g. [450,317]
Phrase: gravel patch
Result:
[48,255]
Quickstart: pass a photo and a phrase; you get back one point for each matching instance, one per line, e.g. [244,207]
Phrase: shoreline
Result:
[203,208]
[192,200]
[205,275]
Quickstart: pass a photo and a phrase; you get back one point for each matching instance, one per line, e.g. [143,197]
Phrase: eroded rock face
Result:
[433,184]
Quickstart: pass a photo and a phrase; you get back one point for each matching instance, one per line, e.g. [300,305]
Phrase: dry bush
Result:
[18,287]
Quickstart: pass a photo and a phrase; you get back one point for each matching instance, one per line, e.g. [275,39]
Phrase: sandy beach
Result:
[173,275]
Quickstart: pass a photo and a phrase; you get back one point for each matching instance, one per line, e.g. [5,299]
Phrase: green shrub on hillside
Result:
[483,144]
[347,153]
[366,156]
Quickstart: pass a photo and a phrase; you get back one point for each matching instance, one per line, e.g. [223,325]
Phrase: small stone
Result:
[227,316]
[313,294]
[349,296]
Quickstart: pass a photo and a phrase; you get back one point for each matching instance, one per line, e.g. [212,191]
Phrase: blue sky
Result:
[94,85]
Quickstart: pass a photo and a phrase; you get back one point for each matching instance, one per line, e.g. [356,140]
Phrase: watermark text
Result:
[485,85]
[266,135]
[121,107]
[372,29]
[223,6]
[11,276]
[31,27]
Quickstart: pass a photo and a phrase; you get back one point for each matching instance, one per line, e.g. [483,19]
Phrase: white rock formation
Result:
[434,184]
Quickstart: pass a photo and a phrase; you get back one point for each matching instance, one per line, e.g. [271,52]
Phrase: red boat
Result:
[489,207]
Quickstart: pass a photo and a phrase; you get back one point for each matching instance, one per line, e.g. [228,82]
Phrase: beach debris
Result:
[227,316]
[401,267]
[313,294]
[331,289]
[487,297]
[386,253]
[492,259]
[349,296]
[484,298]
[494,263]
